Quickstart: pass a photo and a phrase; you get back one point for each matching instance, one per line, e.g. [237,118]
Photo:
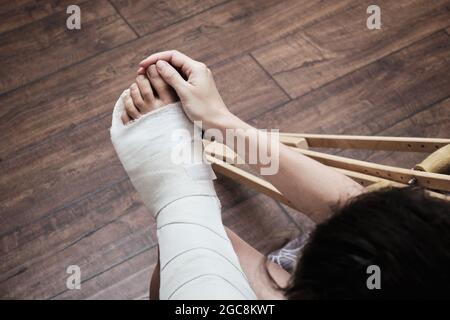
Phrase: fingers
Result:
[141,71]
[164,91]
[172,77]
[177,59]
[130,109]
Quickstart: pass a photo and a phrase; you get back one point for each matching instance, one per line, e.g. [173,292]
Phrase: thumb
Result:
[171,76]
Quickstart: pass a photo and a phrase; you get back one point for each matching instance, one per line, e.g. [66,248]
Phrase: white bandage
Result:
[197,258]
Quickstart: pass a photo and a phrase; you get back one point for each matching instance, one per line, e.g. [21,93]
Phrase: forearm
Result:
[314,189]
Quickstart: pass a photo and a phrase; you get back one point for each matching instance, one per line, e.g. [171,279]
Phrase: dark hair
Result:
[404,232]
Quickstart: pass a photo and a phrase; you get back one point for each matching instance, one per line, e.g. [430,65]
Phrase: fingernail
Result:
[161,64]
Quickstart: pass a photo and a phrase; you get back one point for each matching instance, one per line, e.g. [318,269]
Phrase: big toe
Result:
[164,92]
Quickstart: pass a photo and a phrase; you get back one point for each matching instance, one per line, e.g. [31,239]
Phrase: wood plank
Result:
[68,225]
[14,14]
[431,122]
[126,281]
[102,250]
[238,27]
[150,16]
[428,180]
[130,280]
[36,241]
[426,145]
[373,98]
[246,89]
[107,242]
[247,179]
[44,46]
[301,220]
[49,129]
[57,152]
[260,222]
[90,89]
[24,249]
[318,54]
[434,121]
[57,173]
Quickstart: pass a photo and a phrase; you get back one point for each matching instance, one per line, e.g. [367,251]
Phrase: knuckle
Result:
[146,94]
[202,66]
[139,103]
[151,71]
[129,107]
[171,75]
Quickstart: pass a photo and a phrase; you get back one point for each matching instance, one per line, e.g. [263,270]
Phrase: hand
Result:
[198,94]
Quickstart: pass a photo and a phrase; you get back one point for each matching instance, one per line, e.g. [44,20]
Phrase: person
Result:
[404,233]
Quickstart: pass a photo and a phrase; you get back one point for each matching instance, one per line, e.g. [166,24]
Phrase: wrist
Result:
[229,121]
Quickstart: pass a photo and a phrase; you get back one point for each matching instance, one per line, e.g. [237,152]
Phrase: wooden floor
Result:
[297,65]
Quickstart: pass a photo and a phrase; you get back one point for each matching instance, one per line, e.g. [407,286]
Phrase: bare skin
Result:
[314,189]
[150,92]
[322,189]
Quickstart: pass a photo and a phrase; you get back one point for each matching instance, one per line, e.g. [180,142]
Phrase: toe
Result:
[165,93]
[125,118]
[130,108]
[138,101]
[146,93]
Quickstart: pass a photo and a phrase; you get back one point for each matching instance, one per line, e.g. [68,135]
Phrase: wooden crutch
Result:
[429,173]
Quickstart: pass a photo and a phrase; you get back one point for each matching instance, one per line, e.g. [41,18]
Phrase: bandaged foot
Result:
[161,151]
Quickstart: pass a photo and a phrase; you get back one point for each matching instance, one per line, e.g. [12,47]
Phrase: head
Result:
[403,232]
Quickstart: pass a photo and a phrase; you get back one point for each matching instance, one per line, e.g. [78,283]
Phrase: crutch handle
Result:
[437,162]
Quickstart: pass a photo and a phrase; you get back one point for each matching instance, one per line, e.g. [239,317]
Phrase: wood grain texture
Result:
[118,241]
[68,226]
[238,27]
[126,281]
[44,46]
[261,222]
[154,15]
[90,89]
[81,89]
[70,166]
[373,98]
[14,14]
[65,198]
[331,48]
[431,122]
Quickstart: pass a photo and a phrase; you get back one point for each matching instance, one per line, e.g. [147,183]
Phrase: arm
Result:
[314,189]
